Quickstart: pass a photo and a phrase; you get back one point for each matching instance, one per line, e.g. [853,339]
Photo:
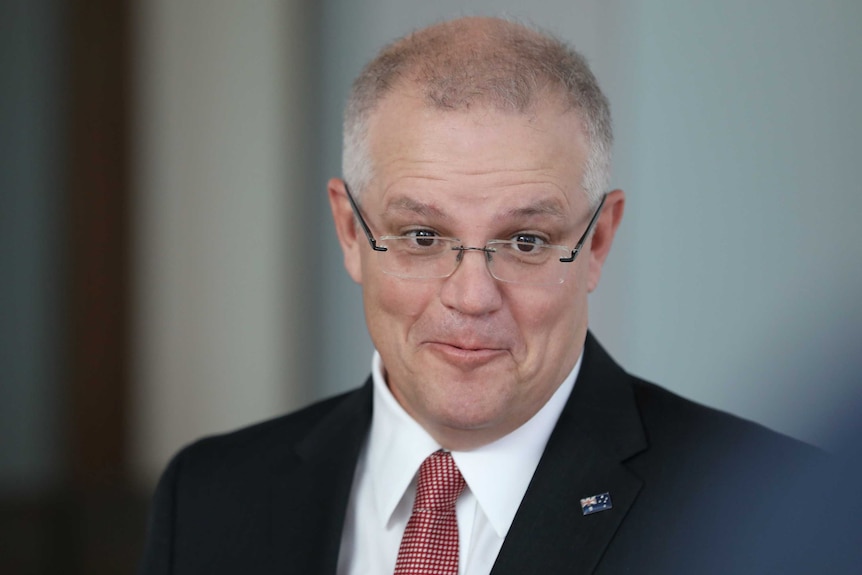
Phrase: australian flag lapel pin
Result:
[596,503]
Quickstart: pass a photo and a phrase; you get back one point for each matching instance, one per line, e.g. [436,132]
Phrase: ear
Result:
[346,228]
[603,235]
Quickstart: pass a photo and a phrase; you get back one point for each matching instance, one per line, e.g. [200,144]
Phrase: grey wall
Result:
[738,143]
[224,245]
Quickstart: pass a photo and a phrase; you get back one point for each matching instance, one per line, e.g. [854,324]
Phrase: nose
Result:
[471,289]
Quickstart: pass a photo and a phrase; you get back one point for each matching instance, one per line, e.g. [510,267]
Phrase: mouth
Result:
[465,356]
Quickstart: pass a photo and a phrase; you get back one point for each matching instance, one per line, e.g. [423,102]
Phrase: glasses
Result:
[428,257]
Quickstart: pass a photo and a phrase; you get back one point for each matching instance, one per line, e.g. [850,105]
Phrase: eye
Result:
[527,243]
[422,238]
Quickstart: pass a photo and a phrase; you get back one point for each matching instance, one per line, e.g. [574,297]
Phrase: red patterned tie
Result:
[430,541]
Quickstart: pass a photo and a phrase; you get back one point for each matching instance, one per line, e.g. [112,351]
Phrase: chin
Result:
[463,415]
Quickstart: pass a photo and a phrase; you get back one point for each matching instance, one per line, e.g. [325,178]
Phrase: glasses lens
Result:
[527,263]
[418,257]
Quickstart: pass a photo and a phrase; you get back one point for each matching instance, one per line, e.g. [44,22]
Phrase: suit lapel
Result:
[599,428]
[311,489]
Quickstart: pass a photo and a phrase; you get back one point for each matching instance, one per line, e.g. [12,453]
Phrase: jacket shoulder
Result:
[219,483]
[669,418]
[268,440]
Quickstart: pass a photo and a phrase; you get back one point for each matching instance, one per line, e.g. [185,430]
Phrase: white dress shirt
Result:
[384,485]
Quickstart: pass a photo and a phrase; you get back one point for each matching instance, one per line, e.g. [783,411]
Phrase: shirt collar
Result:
[398,445]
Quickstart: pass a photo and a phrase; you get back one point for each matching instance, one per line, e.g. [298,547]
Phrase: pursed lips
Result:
[469,355]
[468,344]
[470,347]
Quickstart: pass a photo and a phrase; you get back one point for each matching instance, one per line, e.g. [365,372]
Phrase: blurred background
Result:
[169,269]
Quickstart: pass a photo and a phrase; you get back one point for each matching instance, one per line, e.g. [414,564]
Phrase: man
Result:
[475,214]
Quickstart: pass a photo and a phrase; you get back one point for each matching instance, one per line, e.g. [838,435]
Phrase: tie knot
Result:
[440,482]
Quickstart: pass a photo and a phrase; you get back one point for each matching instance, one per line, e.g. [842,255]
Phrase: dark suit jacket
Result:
[685,482]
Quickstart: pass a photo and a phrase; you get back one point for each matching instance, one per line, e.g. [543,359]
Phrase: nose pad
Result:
[489,254]
[469,293]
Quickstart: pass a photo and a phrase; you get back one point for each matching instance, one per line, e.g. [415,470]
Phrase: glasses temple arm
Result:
[365,227]
[584,237]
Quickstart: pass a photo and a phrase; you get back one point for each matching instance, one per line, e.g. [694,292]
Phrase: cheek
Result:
[395,299]
[537,313]
[549,317]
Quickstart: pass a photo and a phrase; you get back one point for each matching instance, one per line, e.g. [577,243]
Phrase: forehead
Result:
[479,154]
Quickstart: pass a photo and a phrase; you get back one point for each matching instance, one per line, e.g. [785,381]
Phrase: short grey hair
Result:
[481,61]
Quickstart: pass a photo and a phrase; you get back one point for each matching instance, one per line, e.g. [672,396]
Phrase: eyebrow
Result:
[540,208]
[404,204]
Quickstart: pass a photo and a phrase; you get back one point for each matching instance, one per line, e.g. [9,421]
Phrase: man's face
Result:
[469,357]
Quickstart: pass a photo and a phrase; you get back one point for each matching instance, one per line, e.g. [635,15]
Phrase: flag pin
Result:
[596,503]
